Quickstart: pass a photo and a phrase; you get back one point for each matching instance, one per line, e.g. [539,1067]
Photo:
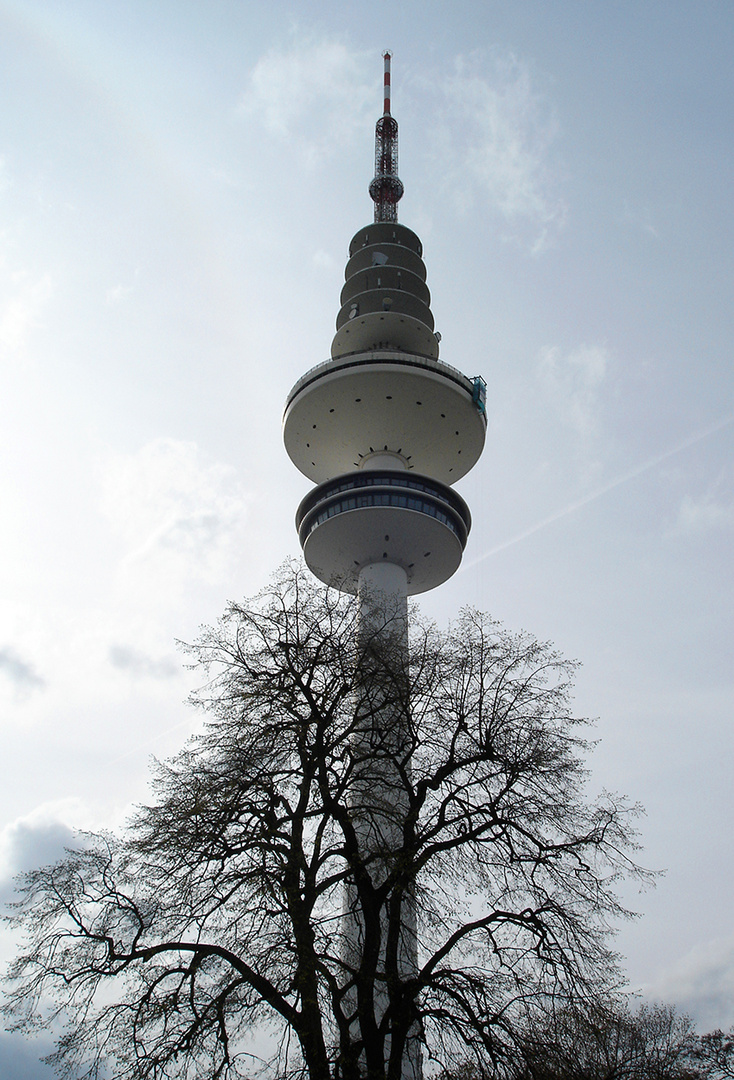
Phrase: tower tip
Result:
[387,56]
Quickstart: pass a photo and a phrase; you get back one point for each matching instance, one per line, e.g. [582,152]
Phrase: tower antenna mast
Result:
[386,189]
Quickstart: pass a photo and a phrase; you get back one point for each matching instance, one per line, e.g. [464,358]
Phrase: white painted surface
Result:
[346,413]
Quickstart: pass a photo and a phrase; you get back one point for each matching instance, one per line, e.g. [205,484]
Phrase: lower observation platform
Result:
[388,516]
[417,407]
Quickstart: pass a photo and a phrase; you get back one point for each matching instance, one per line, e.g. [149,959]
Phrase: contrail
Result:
[692,440]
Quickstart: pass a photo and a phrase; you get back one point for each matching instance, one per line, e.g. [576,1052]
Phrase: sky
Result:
[179,182]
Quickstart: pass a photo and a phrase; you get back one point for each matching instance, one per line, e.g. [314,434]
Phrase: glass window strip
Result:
[422,506]
[366,480]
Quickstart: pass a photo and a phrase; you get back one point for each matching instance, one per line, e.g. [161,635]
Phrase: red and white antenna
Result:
[386,109]
[386,189]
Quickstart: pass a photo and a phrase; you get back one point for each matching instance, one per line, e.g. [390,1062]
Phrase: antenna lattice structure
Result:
[386,189]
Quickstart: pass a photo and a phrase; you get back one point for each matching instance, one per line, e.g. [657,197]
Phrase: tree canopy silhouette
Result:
[650,1042]
[218,930]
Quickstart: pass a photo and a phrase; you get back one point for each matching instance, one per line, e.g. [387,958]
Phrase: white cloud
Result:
[23,293]
[322,260]
[493,133]
[701,984]
[21,674]
[710,511]
[571,383]
[180,517]
[22,300]
[316,95]
[118,293]
[39,838]
[137,663]
[35,840]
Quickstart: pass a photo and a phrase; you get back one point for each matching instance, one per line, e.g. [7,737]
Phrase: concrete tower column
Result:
[380,795]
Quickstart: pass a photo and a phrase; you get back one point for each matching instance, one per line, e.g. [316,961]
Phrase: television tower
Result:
[384,429]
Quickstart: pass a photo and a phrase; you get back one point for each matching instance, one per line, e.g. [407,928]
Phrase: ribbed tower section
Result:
[384,429]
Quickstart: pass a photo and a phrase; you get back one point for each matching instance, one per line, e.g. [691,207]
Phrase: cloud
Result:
[22,299]
[571,384]
[139,664]
[20,673]
[181,518]
[27,845]
[38,839]
[317,96]
[117,294]
[24,294]
[701,984]
[714,510]
[322,260]
[493,133]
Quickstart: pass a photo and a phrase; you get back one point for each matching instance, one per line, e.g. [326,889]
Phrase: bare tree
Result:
[653,1042]
[714,1054]
[215,926]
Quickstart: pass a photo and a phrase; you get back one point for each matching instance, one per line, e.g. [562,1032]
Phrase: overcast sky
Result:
[179,181]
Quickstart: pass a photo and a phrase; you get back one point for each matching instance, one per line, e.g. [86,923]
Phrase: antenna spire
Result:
[386,189]
[387,57]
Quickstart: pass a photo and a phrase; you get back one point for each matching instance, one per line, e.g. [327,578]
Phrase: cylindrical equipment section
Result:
[385,331]
[386,233]
[385,302]
[385,277]
[375,255]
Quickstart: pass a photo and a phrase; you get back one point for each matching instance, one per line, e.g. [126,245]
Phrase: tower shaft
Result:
[382,945]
